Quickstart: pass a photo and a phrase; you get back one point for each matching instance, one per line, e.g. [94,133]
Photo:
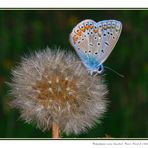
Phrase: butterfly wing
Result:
[111,30]
[94,42]
[81,38]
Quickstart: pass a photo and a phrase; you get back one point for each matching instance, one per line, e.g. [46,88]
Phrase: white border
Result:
[74,143]
[73,4]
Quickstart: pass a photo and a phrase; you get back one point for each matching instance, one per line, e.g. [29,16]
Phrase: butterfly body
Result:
[94,42]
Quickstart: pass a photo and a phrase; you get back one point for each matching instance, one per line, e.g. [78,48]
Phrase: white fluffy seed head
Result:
[55,87]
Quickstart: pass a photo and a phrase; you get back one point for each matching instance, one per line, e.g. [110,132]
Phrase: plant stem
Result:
[55,130]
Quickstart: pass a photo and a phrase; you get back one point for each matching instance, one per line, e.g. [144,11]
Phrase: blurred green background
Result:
[25,31]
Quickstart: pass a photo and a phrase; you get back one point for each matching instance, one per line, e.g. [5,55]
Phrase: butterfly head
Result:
[98,70]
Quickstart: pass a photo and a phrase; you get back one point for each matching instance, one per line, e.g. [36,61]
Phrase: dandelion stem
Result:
[55,130]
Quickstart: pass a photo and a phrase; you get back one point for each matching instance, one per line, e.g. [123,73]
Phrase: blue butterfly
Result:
[94,42]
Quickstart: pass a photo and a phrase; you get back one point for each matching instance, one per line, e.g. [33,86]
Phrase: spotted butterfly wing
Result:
[94,42]
[111,30]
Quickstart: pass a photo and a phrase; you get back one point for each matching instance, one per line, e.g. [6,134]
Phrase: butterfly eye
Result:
[100,69]
[82,27]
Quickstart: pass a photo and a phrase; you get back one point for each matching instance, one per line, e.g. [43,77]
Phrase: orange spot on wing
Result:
[75,38]
[82,29]
[95,30]
[90,26]
[79,33]
[87,27]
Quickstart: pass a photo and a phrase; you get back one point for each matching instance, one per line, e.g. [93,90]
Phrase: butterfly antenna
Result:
[120,75]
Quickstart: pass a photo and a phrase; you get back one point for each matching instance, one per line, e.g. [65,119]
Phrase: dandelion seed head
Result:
[52,87]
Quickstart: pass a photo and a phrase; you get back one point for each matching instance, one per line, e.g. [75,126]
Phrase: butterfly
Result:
[94,41]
